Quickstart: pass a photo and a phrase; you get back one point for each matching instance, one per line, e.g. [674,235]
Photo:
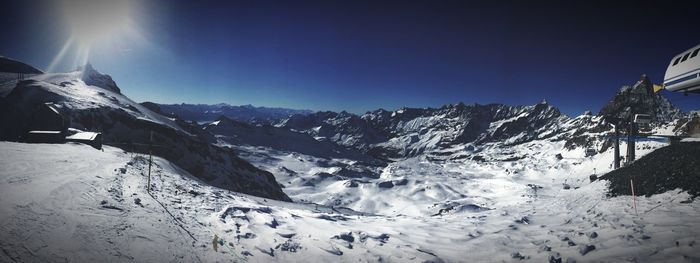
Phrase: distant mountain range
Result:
[413,131]
[244,113]
[446,131]
[93,101]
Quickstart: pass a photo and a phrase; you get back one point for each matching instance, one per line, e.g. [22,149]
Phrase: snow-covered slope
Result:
[93,102]
[73,203]
[422,185]
[74,94]
[461,183]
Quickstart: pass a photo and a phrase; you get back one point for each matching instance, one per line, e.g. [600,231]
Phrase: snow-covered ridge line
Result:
[246,113]
[410,131]
[91,101]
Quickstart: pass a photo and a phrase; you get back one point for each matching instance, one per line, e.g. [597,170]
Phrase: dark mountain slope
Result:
[672,167]
[240,133]
[243,113]
[13,66]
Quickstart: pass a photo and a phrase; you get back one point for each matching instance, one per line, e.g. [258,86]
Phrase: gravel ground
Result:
[668,168]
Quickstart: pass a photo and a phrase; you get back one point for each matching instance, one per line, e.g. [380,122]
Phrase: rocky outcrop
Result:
[620,110]
[689,126]
[640,99]
[94,78]
[681,170]
[343,128]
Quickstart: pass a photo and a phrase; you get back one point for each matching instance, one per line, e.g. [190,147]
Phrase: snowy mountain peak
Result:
[94,78]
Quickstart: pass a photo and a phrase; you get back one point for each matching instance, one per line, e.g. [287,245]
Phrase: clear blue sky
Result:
[363,55]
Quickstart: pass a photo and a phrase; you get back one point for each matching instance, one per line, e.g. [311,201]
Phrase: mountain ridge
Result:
[9,65]
[91,101]
[383,133]
[211,112]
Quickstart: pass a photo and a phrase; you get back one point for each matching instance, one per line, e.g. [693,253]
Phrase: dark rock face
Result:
[358,171]
[478,158]
[241,133]
[386,184]
[593,235]
[585,249]
[17,121]
[628,101]
[345,236]
[152,106]
[640,99]
[94,78]
[541,116]
[689,126]
[14,66]
[400,182]
[681,170]
[338,127]
[351,184]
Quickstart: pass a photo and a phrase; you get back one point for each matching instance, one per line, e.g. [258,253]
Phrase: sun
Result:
[93,20]
[93,23]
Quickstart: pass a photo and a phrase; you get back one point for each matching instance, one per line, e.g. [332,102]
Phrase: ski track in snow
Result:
[70,202]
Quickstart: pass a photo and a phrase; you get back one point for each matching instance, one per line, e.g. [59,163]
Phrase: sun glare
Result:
[93,24]
[93,20]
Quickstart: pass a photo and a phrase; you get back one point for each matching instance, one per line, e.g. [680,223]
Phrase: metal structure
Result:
[135,148]
[642,118]
[632,134]
[617,147]
[683,72]
[590,152]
